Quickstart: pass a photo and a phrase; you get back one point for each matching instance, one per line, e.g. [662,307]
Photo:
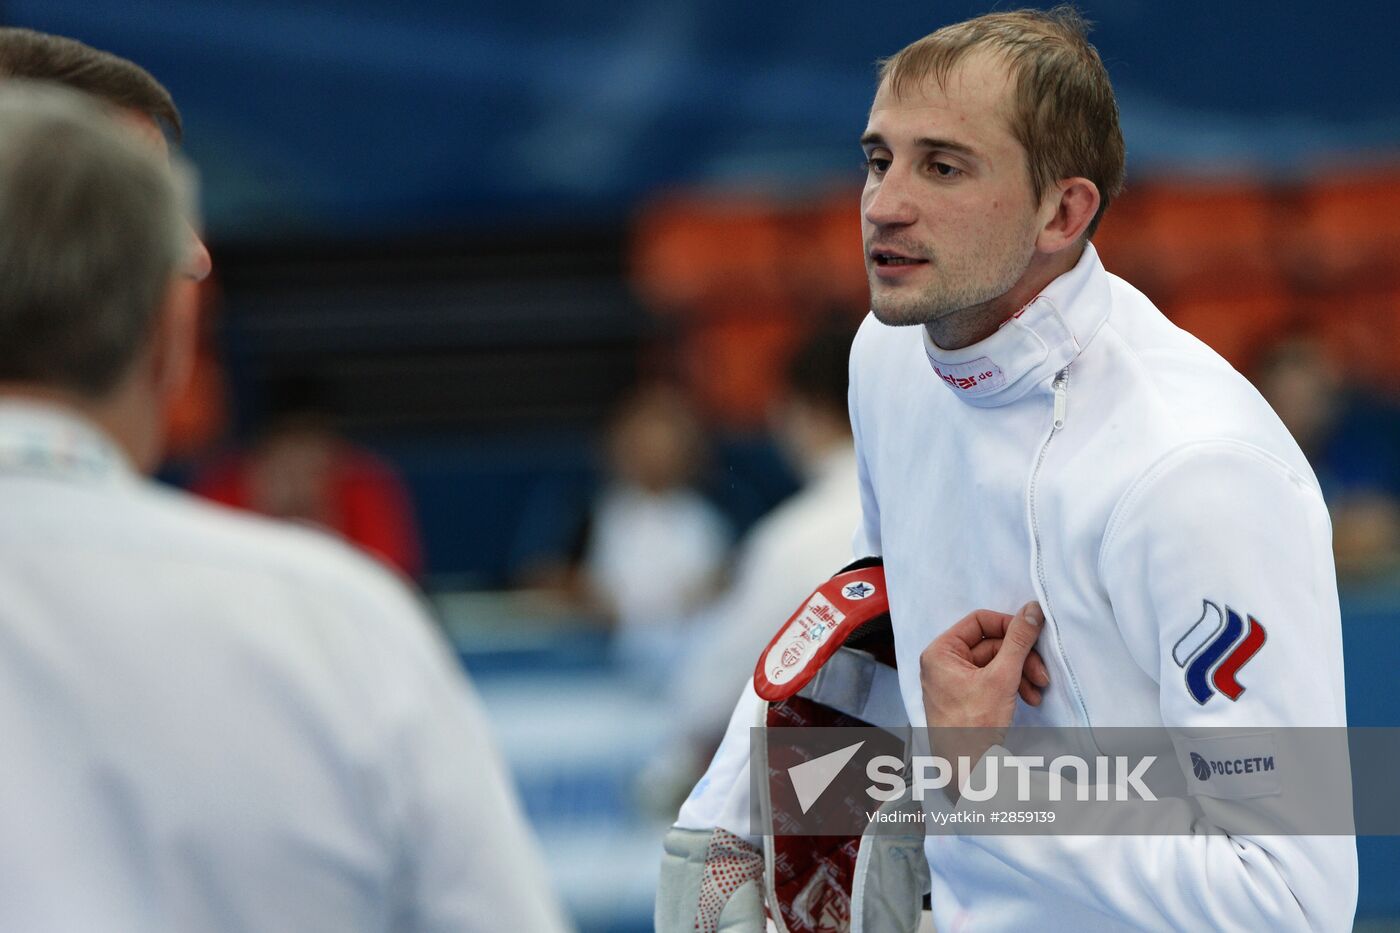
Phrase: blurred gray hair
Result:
[92,230]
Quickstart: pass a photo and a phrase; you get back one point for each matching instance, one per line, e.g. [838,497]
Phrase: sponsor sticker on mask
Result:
[803,636]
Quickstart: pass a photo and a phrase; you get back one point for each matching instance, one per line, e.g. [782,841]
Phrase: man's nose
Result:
[888,204]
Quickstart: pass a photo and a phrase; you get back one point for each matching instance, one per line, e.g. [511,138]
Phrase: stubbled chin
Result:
[894,313]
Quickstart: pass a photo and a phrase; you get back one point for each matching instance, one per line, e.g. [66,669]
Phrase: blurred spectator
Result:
[211,722]
[301,469]
[1352,439]
[656,547]
[1366,536]
[781,560]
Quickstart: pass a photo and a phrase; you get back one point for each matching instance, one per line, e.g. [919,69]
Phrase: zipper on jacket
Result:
[1060,386]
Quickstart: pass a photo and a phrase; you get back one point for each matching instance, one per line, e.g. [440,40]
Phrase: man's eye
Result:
[944,170]
[877,165]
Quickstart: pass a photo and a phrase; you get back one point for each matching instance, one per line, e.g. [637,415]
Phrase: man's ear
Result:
[175,337]
[1070,206]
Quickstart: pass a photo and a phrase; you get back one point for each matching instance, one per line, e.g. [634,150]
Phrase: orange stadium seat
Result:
[1360,327]
[1350,227]
[729,365]
[1237,325]
[1120,241]
[688,251]
[1199,234]
[833,269]
[736,270]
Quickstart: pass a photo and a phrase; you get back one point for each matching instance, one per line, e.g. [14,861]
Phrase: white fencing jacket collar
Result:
[1037,342]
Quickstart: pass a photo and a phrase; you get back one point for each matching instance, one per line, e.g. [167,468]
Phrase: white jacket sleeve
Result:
[712,867]
[722,797]
[1224,522]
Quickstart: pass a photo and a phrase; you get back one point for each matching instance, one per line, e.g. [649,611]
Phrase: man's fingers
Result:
[1029,692]
[1019,639]
[983,652]
[974,627]
[1035,670]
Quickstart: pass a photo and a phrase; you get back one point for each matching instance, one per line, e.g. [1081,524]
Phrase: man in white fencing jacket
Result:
[1047,464]
[210,721]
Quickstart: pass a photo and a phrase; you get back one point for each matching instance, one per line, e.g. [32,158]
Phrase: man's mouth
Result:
[891,259]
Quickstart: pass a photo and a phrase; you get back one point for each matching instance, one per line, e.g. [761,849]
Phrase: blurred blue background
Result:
[437,212]
[363,118]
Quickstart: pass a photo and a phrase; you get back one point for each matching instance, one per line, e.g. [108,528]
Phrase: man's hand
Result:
[972,673]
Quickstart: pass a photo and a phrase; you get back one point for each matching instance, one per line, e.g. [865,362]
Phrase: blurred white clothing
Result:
[213,722]
[793,549]
[654,556]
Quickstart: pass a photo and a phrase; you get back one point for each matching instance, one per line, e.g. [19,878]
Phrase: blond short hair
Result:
[1063,114]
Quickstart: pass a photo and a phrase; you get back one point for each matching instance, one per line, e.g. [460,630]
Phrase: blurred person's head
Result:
[298,404]
[993,150]
[1303,387]
[95,310]
[656,441]
[37,56]
[1366,535]
[810,418]
[296,447]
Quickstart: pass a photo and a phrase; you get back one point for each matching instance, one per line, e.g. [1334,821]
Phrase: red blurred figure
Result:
[301,469]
